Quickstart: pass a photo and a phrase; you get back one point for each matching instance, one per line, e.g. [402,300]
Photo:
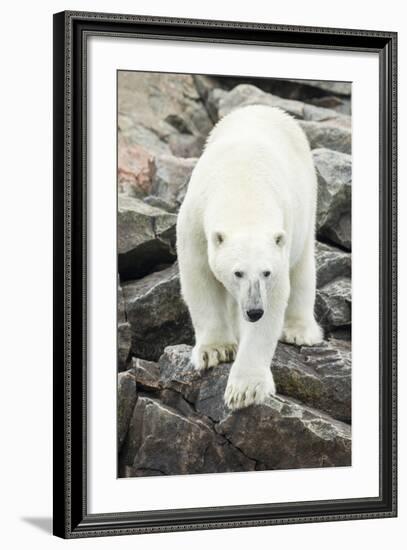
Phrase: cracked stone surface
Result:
[182,425]
[157,314]
[246,94]
[145,237]
[171,178]
[334,172]
[167,436]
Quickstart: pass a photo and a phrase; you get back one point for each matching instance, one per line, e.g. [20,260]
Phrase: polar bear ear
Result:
[218,237]
[279,238]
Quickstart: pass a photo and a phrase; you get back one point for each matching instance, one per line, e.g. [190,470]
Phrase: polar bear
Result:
[245,242]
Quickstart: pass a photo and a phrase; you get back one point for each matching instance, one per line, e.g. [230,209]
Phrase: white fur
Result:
[245,239]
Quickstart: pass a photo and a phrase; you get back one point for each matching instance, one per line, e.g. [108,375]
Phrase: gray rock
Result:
[333,304]
[245,94]
[157,202]
[123,345]
[283,434]
[334,171]
[123,332]
[184,427]
[319,376]
[212,103]
[204,390]
[147,374]
[146,237]
[157,314]
[338,88]
[172,439]
[171,178]
[186,145]
[331,263]
[126,400]
[329,135]
[309,91]
[153,108]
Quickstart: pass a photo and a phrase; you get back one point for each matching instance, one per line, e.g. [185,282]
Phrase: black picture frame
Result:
[71,518]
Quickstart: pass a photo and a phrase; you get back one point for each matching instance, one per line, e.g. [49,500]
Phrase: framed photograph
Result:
[224,274]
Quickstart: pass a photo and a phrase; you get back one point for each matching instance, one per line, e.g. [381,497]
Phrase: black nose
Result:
[254,314]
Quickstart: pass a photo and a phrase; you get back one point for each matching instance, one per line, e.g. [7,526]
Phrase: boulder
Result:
[171,178]
[123,332]
[154,109]
[157,314]
[333,304]
[330,86]
[180,424]
[246,94]
[334,95]
[334,171]
[186,145]
[147,374]
[204,390]
[135,169]
[145,237]
[282,434]
[331,263]
[157,202]
[318,376]
[166,436]
[126,400]
[329,135]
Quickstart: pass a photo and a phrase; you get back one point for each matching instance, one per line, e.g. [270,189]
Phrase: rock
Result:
[333,304]
[213,101]
[123,332]
[185,145]
[329,135]
[172,176]
[184,427]
[334,171]
[283,434]
[146,237]
[310,91]
[157,314]
[338,88]
[155,108]
[245,94]
[204,391]
[174,440]
[135,169]
[126,400]
[331,263]
[319,376]
[157,202]
[147,374]
[123,345]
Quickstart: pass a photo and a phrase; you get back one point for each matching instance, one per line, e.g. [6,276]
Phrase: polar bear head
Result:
[248,266]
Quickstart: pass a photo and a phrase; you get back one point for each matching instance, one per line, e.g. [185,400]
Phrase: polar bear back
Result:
[256,171]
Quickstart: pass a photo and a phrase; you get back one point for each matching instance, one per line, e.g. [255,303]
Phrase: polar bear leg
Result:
[250,379]
[300,326]
[206,299]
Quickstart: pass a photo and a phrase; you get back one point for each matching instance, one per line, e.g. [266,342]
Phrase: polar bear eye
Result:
[266,273]
[239,274]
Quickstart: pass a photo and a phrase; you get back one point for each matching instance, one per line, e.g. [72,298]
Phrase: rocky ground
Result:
[172,420]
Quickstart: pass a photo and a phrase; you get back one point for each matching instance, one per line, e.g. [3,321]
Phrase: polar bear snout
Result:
[254,315]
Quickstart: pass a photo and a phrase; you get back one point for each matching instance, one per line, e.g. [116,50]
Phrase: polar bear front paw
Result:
[242,391]
[207,356]
[302,333]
